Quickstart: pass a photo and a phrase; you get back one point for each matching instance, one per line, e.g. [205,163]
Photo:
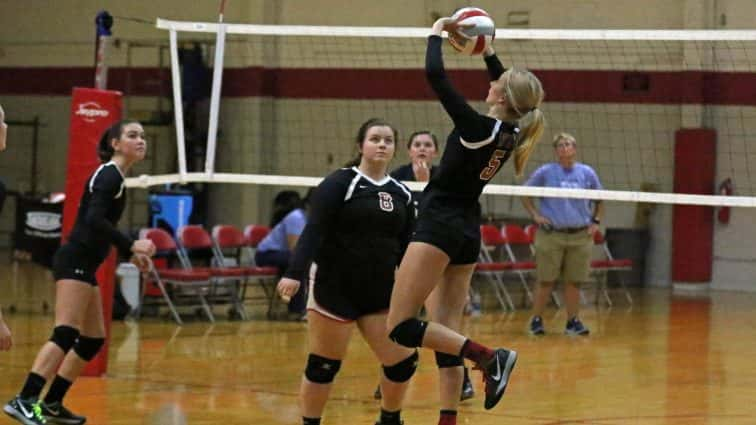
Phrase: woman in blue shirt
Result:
[565,237]
[275,250]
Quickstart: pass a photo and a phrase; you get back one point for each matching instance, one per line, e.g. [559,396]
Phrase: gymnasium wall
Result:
[43,54]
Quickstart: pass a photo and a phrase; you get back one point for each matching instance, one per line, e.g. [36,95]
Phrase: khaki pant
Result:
[565,255]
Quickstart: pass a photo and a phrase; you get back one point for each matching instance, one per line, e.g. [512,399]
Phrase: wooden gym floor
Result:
[668,360]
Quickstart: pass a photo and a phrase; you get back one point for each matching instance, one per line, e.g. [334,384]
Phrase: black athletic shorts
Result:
[456,231]
[347,295]
[74,261]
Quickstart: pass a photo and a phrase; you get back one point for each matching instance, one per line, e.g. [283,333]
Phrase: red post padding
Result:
[92,112]
[693,225]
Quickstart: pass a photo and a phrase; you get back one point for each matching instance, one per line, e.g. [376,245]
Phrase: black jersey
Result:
[477,146]
[100,209]
[407,174]
[357,229]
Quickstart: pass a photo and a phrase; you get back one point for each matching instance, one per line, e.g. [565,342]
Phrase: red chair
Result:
[531,230]
[607,263]
[197,281]
[518,240]
[254,234]
[227,279]
[227,238]
[491,239]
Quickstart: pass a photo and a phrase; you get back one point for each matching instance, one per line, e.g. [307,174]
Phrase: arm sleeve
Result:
[472,126]
[495,68]
[104,189]
[326,200]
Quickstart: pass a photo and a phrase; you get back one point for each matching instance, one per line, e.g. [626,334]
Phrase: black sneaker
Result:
[377,394]
[56,413]
[536,326]
[26,411]
[576,327]
[467,388]
[496,375]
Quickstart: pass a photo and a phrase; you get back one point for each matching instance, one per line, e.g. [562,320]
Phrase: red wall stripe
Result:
[694,87]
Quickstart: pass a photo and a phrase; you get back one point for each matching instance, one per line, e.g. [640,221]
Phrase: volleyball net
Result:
[293,97]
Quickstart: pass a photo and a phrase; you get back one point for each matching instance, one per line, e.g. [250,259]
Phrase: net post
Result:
[178,104]
[212,132]
[84,135]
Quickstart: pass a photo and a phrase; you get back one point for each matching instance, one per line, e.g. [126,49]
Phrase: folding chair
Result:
[491,239]
[516,239]
[197,280]
[253,235]
[195,238]
[608,263]
[227,238]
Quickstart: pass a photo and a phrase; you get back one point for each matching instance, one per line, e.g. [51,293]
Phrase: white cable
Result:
[212,131]
[492,189]
[178,105]
[419,32]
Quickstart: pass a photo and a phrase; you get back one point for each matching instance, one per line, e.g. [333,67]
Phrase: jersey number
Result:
[493,165]
[386,201]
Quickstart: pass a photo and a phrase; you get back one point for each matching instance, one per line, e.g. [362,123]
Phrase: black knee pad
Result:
[402,371]
[409,333]
[444,360]
[320,369]
[64,337]
[87,347]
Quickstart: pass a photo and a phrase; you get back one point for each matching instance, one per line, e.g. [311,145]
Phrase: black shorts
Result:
[345,297]
[452,230]
[75,262]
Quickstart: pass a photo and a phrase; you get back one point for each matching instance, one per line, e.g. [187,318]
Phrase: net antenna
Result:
[633,59]
[212,133]
[103,22]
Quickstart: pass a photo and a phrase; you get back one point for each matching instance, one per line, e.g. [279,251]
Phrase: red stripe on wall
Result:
[59,81]
[718,88]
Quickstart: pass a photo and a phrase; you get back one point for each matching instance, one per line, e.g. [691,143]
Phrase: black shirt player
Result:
[358,227]
[447,236]
[422,148]
[79,329]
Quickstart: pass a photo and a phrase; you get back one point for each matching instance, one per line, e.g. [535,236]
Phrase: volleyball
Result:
[475,39]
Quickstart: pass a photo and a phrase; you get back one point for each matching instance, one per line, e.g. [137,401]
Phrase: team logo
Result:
[43,221]
[386,201]
[91,111]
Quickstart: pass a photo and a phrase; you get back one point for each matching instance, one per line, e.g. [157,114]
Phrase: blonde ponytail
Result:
[531,129]
[524,94]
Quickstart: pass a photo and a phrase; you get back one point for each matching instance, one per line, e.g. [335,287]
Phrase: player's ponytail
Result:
[524,94]
[531,129]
